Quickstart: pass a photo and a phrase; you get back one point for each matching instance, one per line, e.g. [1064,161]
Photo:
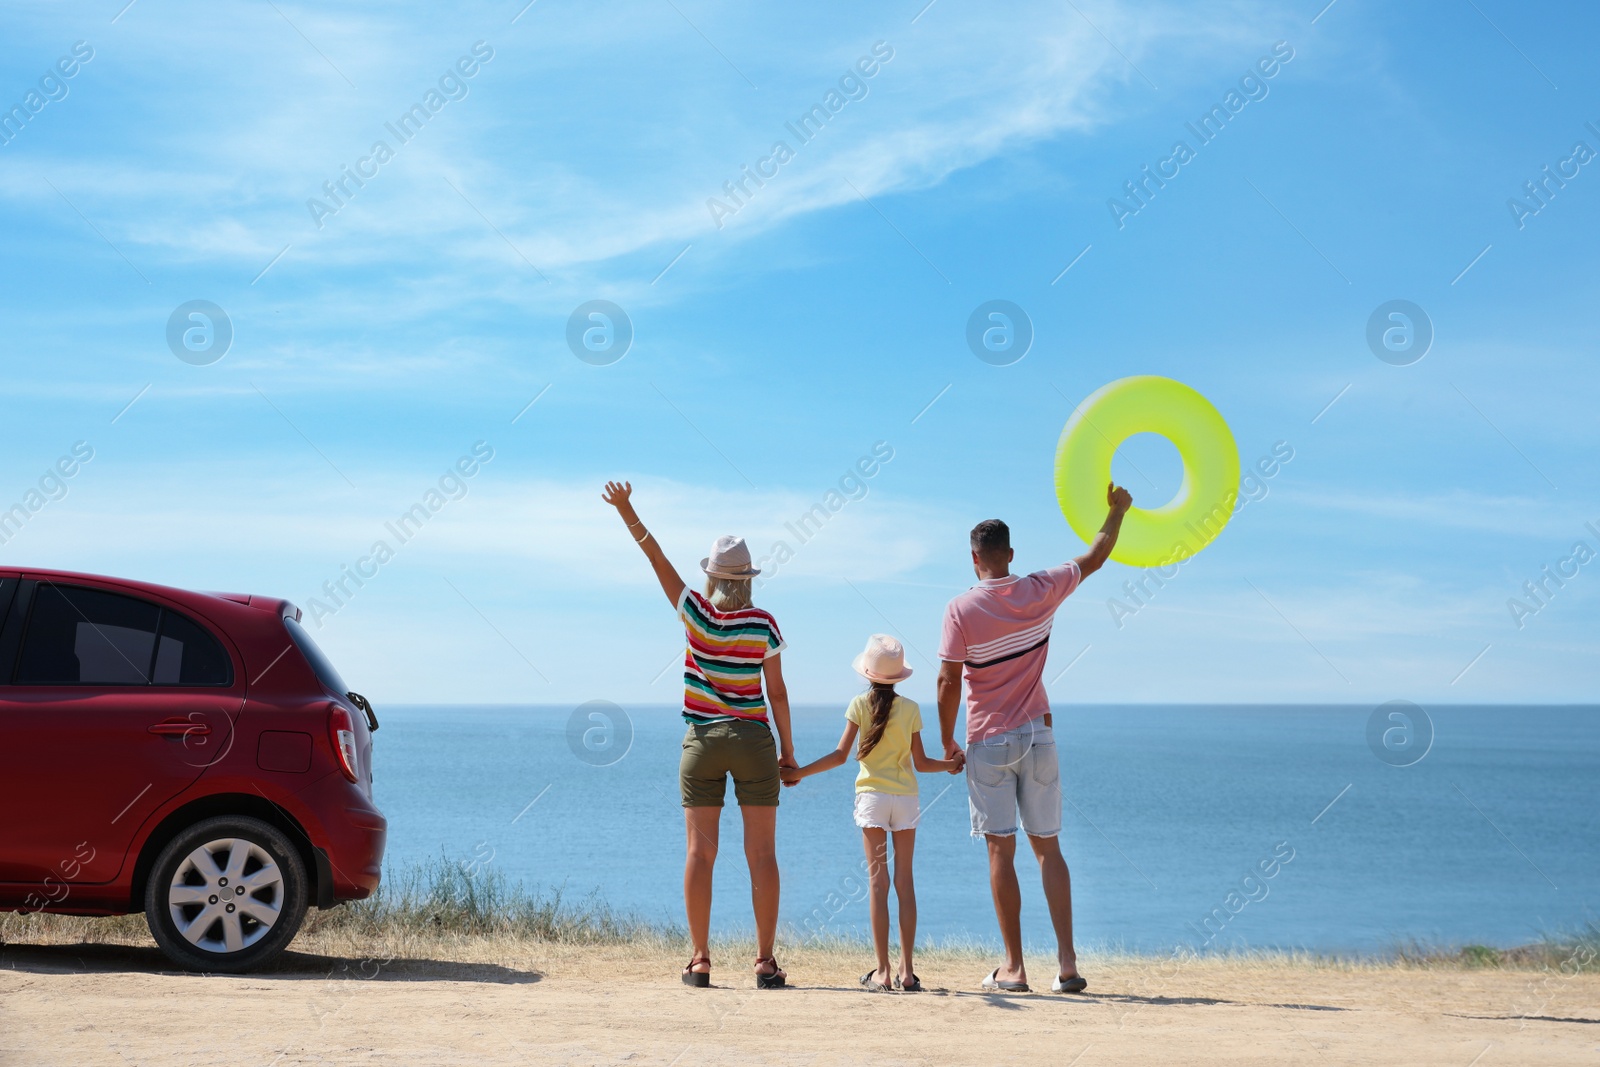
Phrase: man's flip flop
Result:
[994,985]
[913,986]
[871,985]
[1075,984]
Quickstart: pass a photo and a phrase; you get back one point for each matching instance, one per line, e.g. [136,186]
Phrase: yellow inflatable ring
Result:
[1151,537]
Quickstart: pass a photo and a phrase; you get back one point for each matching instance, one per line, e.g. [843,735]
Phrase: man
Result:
[997,635]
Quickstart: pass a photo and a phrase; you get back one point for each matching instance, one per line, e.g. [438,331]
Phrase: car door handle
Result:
[180,728]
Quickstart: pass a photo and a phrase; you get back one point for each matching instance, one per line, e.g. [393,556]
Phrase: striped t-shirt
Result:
[1000,631]
[722,666]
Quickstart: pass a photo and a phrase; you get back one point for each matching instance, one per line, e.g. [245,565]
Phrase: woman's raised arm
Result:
[620,497]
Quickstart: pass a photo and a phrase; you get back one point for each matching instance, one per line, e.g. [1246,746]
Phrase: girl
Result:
[733,647]
[890,753]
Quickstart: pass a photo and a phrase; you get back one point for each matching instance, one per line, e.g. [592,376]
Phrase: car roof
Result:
[197,599]
[244,619]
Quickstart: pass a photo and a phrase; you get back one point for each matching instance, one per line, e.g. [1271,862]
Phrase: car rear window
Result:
[81,636]
[320,665]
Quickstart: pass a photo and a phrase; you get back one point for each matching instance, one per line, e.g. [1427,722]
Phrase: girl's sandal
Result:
[698,979]
[775,979]
[913,986]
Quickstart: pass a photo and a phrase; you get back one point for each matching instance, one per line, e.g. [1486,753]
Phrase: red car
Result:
[190,755]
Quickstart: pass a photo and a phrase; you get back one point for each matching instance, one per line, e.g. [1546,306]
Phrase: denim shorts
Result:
[1011,774]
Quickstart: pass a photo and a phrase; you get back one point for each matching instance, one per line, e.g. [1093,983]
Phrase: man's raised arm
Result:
[1119,500]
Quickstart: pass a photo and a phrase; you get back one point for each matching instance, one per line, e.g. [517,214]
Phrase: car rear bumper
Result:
[345,830]
[365,835]
[347,833]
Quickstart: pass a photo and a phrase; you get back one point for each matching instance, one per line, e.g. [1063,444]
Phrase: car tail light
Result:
[342,733]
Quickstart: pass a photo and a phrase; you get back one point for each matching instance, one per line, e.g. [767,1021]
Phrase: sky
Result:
[380,332]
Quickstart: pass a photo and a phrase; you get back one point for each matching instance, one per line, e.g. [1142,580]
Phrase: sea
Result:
[1333,830]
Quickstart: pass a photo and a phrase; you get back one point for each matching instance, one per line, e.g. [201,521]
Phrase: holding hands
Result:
[955,760]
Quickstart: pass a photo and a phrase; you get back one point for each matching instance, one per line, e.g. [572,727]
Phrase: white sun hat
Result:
[883,660]
[730,558]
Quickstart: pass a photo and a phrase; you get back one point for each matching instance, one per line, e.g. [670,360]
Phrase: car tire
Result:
[226,895]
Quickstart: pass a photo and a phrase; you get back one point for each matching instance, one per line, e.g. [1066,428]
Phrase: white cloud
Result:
[1512,516]
[542,563]
[580,153]
[302,528]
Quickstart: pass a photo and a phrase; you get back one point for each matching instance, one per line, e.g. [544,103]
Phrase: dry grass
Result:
[1577,953]
[444,911]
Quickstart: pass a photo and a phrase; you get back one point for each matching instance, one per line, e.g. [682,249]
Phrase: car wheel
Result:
[226,895]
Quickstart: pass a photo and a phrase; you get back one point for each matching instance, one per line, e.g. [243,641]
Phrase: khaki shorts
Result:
[744,750]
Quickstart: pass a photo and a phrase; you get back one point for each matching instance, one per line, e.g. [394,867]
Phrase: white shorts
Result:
[887,811]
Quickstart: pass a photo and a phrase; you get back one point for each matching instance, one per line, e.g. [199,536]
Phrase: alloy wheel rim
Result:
[226,895]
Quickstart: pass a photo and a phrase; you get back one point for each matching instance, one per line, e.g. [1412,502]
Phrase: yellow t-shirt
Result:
[887,768]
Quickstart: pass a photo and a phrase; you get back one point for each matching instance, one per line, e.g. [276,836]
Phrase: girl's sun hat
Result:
[883,660]
[730,558]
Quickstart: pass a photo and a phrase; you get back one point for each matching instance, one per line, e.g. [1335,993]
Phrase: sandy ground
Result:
[485,1005]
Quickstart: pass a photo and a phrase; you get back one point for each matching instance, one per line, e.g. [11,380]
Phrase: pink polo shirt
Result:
[1000,630]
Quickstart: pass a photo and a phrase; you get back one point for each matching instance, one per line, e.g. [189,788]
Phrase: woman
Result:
[732,646]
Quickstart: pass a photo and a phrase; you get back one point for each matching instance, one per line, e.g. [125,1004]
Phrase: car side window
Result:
[81,636]
[187,655]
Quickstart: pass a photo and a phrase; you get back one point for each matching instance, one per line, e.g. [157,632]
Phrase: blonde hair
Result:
[728,594]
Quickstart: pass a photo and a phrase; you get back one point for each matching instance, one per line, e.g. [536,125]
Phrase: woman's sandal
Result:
[773,980]
[698,979]
[870,983]
[913,986]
